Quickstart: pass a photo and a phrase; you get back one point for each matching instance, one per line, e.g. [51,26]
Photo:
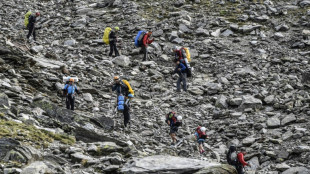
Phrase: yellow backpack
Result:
[188,54]
[26,21]
[129,87]
[106,34]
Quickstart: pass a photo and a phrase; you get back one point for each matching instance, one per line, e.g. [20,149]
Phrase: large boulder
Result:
[122,61]
[159,164]
[250,102]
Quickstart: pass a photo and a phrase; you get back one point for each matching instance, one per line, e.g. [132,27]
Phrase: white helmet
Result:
[203,129]
[179,118]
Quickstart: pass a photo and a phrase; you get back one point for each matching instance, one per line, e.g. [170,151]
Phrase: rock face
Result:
[250,84]
[158,164]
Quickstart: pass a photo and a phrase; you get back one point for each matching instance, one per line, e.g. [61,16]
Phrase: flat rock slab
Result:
[163,164]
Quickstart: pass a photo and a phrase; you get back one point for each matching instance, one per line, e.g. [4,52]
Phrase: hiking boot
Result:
[172,144]
[178,90]
[201,152]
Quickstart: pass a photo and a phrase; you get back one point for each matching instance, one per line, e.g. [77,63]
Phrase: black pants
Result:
[31,31]
[144,51]
[126,115]
[113,49]
[239,169]
[70,102]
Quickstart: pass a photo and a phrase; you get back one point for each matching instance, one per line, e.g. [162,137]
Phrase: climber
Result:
[122,88]
[235,159]
[113,40]
[31,25]
[180,54]
[69,91]
[181,70]
[174,122]
[145,42]
[201,136]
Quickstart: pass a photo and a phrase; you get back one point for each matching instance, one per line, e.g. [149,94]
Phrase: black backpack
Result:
[231,156]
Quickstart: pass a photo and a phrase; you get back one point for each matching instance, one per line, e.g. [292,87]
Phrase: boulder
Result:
[159,164]
[221,102]
[250,102]
[288,119]
[71,42]
[122,61]
[273,122]
[4,100]
[297,170]
[36,49]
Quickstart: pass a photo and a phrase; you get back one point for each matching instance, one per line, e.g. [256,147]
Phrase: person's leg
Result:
[29,31]
[34,34]
[184,81]
[115,50]
[67,102]
[239,169]
[72,103]
[144,52]
[126,115]
[111,49]
[179,83]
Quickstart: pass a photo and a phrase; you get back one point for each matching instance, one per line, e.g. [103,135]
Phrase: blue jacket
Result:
[181,66]
[70,88]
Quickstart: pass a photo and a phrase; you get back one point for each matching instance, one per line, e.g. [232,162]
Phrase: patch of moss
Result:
[84,162]
[31,134]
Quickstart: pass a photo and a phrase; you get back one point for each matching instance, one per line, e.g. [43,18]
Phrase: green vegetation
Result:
[31,134]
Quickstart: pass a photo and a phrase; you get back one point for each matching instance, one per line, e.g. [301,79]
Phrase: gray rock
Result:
[227,33]
[122,61]
[297,170]
[235,101]
[248,141]
[282,28]
[269,99]
[221,102]
[37,49]
[282,167]
[71,42]
[301,149]
[158,164]
[173,36]
[88,97]
[202,32]
[36,168]
[4,100]
[288,119]
[273,122]
[79,157]
[250,102]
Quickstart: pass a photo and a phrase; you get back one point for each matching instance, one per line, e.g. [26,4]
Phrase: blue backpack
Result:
[139,38]
[120,103]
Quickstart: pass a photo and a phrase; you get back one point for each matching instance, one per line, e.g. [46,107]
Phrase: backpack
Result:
[169,116]
[187,53]
[27,15]
[129,87]
[120,103]
[106,34]
[232,158]
[139,38]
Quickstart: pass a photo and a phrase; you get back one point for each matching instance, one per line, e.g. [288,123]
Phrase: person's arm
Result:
[149,41]
[183,68]
[114,87]
[77,91]
[66,86]
[145,37]
[241,159]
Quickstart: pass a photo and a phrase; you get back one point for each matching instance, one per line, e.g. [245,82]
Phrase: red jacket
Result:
[146,40]
[240,157]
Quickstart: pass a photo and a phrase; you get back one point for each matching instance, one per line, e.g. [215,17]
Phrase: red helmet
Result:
[37,14]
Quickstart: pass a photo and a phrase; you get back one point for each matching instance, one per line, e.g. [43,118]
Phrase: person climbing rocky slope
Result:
[250,86]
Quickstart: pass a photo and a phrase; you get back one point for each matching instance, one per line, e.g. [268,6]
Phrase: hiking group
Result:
[125,93]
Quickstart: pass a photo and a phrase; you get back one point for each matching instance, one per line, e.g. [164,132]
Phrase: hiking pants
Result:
[126,115]
[31,31]
[239,169]
[70,102]
[182,78]
[113,49]
[144,51]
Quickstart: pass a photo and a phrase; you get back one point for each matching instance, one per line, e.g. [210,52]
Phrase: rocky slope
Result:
[250,88]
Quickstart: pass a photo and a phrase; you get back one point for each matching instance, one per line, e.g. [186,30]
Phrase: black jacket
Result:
[112,36]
